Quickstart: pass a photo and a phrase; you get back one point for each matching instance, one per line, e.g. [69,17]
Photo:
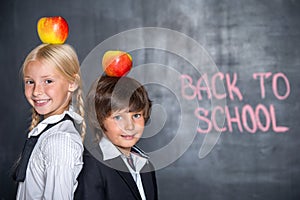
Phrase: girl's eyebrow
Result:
[44,76]
[47,76]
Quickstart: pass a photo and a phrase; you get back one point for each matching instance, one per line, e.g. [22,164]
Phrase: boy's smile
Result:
[124,129]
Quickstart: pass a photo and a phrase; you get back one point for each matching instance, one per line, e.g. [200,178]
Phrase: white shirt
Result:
[110,151]
[55,162]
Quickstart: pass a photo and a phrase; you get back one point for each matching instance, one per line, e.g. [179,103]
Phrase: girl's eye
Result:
[28,82]
[48,81]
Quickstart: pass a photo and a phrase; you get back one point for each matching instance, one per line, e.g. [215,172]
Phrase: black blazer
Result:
[97,181]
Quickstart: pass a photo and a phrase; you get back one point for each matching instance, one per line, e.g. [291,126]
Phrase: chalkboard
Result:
[223,77]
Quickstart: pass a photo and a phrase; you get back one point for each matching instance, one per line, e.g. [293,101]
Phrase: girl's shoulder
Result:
[62,129]
[64,132]
[61,135]
[61,144]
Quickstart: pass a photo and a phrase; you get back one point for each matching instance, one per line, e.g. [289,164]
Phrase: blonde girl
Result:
[52,85]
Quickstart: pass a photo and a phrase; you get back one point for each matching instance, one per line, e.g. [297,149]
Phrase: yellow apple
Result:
[53,30]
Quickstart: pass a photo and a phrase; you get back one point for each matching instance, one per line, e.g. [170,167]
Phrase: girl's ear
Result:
[74,85]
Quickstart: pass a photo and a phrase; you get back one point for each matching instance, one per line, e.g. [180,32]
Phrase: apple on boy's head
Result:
[116,63]
[53,30]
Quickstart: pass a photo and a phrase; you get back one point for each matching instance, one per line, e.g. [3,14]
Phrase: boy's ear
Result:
[74,85]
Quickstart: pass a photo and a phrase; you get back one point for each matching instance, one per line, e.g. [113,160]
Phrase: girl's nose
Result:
[37,90]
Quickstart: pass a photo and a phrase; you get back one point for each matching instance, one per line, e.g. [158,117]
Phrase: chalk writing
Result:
[275,79]
[202,85]
[247,118]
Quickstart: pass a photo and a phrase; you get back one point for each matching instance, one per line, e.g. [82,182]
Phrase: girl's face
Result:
[124,129]
[47,91]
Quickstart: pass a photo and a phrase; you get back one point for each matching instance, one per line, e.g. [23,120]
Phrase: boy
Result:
[118,169]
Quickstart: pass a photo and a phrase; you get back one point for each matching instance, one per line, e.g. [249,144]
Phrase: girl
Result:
[115,168]
[52,76]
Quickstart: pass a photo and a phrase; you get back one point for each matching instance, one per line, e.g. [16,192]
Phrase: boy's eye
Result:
[137,115]
[117,117]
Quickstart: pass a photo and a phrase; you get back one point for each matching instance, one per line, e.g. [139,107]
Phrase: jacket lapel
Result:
[119,166]
[125,175]
[149,181]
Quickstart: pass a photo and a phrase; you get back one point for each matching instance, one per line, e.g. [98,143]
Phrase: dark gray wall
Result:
[242,37]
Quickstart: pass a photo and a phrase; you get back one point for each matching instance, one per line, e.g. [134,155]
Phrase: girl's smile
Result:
[46,89]
[38,103]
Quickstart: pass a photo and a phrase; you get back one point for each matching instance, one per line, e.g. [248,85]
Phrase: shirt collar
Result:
[53,119]
[110,151]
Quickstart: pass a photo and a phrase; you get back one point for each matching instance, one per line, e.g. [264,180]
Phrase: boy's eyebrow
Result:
[119,112]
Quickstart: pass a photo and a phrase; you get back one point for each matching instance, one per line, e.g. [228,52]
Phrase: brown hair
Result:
[64,59]
[114,94]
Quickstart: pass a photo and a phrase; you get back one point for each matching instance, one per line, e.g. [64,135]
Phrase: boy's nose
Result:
[129,125]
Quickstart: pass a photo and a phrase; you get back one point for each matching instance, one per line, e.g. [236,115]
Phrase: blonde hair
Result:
[65,59]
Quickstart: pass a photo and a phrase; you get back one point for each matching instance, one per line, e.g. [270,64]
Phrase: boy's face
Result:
[124,129]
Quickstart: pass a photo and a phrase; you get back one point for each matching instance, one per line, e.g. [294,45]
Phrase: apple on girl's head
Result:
[116,63]
[53,30]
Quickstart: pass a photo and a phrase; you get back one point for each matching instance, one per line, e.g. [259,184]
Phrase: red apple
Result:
[53,30]
[116,63]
